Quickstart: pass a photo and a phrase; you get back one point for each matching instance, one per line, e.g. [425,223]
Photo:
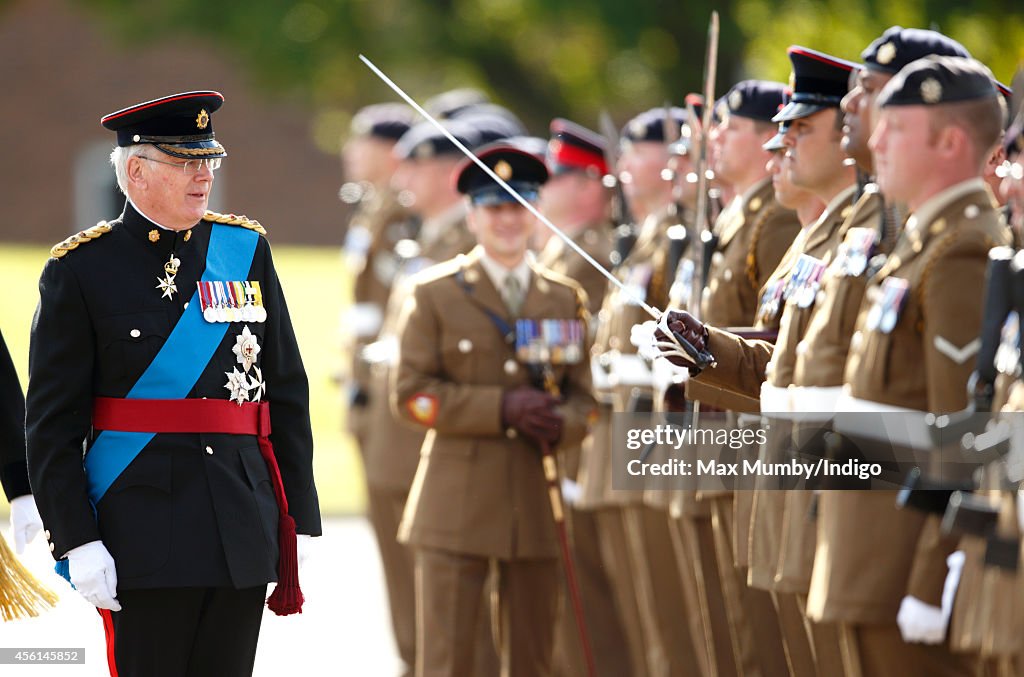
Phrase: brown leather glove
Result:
[532,413]
[688,327]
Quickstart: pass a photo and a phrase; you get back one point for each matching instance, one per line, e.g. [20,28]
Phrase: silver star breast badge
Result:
[238,385]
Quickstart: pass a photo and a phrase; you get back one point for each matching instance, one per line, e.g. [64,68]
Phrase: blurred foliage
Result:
[541,58]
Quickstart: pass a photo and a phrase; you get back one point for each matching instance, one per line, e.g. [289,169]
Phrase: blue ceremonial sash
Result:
[175,369]
[180,362]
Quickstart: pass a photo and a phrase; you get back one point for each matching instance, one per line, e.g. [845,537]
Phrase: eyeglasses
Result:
[1014,170]
[189,167]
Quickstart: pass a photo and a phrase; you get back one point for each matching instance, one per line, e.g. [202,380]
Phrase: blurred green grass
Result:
[316,284]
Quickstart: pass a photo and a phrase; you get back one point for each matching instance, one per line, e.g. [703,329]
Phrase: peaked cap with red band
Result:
[180,124]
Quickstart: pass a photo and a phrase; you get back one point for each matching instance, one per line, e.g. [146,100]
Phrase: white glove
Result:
[303,548]
[93,575]
[25,521]
[927,624]
[571,491]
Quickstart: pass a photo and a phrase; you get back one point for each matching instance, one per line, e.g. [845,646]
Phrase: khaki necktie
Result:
[512,293]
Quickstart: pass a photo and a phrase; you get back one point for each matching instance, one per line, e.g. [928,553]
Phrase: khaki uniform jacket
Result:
[821,359]
[392,449]
[381,221]
[922,364]
[560,258]
[479,490]
[754,233]
[743,365]
[643,271]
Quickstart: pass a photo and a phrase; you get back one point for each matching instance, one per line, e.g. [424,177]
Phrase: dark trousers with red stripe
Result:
[184,632]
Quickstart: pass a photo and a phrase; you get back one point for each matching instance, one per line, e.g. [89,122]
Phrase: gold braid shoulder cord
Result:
[102,228]
[88,235]
[235,220]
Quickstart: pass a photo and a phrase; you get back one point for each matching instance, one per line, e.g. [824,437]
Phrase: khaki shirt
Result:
[479,489]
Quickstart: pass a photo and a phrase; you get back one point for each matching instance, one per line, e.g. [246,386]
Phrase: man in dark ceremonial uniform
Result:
[162,346]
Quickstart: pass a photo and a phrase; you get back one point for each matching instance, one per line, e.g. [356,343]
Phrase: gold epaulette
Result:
[60,249]
[235,220]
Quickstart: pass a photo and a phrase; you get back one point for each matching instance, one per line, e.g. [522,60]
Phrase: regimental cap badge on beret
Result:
[180,125]
[886,53]
[735,99]
[931,90]
[898,46]
[423,151]
[939,80]
[755,99]
[523,170]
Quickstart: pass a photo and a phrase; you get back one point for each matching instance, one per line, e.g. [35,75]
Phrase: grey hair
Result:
[119,159]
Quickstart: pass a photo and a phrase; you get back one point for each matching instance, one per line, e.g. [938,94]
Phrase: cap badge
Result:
[637,129]
[886,53]
[424,151]
[202,119]
[931,90]
[503,169]
[735,99]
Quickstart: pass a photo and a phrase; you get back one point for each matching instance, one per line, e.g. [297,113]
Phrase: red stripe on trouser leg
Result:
[108,632]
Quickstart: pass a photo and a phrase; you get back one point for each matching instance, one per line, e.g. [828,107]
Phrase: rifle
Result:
[625,230]
[701,228]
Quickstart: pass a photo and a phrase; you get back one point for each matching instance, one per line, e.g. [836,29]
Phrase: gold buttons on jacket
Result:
[209,450]
[465,345]
[511,433]
[511,367]
[135,333]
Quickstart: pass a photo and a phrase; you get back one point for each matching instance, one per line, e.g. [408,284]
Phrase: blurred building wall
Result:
[60,72]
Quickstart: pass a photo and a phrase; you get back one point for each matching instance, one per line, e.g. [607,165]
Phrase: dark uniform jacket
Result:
[13,470]
[479,489]
[191,509]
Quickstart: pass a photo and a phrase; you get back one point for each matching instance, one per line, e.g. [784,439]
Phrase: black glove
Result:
[532,412]
[688,328]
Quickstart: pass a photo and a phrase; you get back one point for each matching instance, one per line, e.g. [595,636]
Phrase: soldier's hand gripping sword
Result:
[683,348]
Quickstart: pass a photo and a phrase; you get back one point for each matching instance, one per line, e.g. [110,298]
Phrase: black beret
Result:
[180,124]
[898,46]
[514,163]
[449,103]
[939,79]
[650,125]
[491,122]
[383,120]
[574,148]
[755,99]
[424,141]
[819,81]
